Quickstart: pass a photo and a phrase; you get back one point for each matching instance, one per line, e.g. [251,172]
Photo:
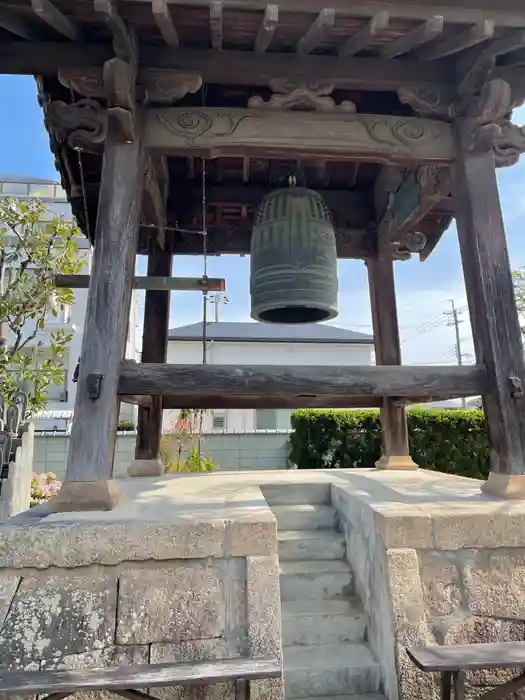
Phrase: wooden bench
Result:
[126,680]
[452,662]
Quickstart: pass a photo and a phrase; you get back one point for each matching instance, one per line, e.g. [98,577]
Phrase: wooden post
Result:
[88,484]
[394,432]
[154,349]
[492,306]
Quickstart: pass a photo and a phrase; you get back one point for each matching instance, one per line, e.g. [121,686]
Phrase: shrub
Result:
[43,487]
[126,426]
[447,441]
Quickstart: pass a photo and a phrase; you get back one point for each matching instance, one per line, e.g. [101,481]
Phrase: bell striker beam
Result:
[484,140]
[395,452]
[88,483]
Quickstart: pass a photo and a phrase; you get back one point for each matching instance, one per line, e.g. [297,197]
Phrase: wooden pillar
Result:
[394,432]
[492,306]
[88,482]
[154,349]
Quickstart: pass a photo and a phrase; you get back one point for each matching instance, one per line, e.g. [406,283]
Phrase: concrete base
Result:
[86,495]
[146,467]
[391,462]
[505,486]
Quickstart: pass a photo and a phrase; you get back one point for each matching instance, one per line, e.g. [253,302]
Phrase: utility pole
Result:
[455,321]
[218,299]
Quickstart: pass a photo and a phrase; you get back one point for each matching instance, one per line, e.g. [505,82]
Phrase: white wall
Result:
[257,353]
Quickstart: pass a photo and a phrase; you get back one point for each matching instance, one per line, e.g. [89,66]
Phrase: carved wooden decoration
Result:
[419,192]
[312,96]
[119,86]
[214,132]
[430,102]
[81,125]
[124,42]
[489,127]
[155,86]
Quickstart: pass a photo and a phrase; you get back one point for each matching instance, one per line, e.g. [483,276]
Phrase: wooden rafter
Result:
[482,31]
[317,32]
[216,24]
[49,14]
[366,35]
[17,25]
[267,28]
[426,32]
[163,20]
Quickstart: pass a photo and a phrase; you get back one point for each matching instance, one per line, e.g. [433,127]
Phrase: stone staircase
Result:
[323,625]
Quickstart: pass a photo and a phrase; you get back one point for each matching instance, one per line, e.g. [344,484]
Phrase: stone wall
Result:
[452,576]
[15,483]
[106,591]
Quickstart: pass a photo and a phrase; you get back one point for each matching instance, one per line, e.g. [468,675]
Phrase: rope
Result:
[81,172]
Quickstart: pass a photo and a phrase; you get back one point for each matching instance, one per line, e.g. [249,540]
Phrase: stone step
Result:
[310,544]
[315,580]
[316,622]
[296,494]
[304,517]
[342,669]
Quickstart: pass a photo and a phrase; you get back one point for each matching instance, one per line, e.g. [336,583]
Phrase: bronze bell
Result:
[293,276]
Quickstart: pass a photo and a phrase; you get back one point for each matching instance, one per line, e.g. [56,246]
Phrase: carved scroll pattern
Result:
[196,124]
[411,242]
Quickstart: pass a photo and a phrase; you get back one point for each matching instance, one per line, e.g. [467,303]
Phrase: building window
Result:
[219,421]
[266,419]
[272,419]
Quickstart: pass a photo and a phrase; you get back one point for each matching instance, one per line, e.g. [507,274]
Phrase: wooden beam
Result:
[365,36]
[394,429]
[154,349]
[49,14]
[426,32]
[17,24]
[152,283]
[235,240]
[205,383]
[143,401]
[216,24]
[459,42]
[232,132]
[234,67]
[510,13]
[317,31]
[163,20]
[94,431]
[267,28]
[491,299]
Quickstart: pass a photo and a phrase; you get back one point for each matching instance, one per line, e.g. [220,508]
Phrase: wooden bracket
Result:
[124,41]
[81,125]
[94,385]
[119,86]
[417,194]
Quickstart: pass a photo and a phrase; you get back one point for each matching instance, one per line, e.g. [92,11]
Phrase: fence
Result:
[229,451]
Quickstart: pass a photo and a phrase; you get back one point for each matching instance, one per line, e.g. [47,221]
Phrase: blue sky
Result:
[424,290]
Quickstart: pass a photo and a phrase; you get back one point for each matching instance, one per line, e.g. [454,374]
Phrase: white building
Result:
[263,344]
[71,318]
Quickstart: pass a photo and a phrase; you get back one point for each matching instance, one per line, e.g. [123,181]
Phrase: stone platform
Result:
[187,567]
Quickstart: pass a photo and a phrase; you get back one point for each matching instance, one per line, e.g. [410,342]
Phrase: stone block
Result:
[59,614]
[70,544]
[440,579]
[171,602]
[405,587]
[264,621]
[480,525]
[495,582]
[8,585]
[249,536]
[404,530]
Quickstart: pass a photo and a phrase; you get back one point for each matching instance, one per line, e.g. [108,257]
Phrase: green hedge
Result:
[447,441]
